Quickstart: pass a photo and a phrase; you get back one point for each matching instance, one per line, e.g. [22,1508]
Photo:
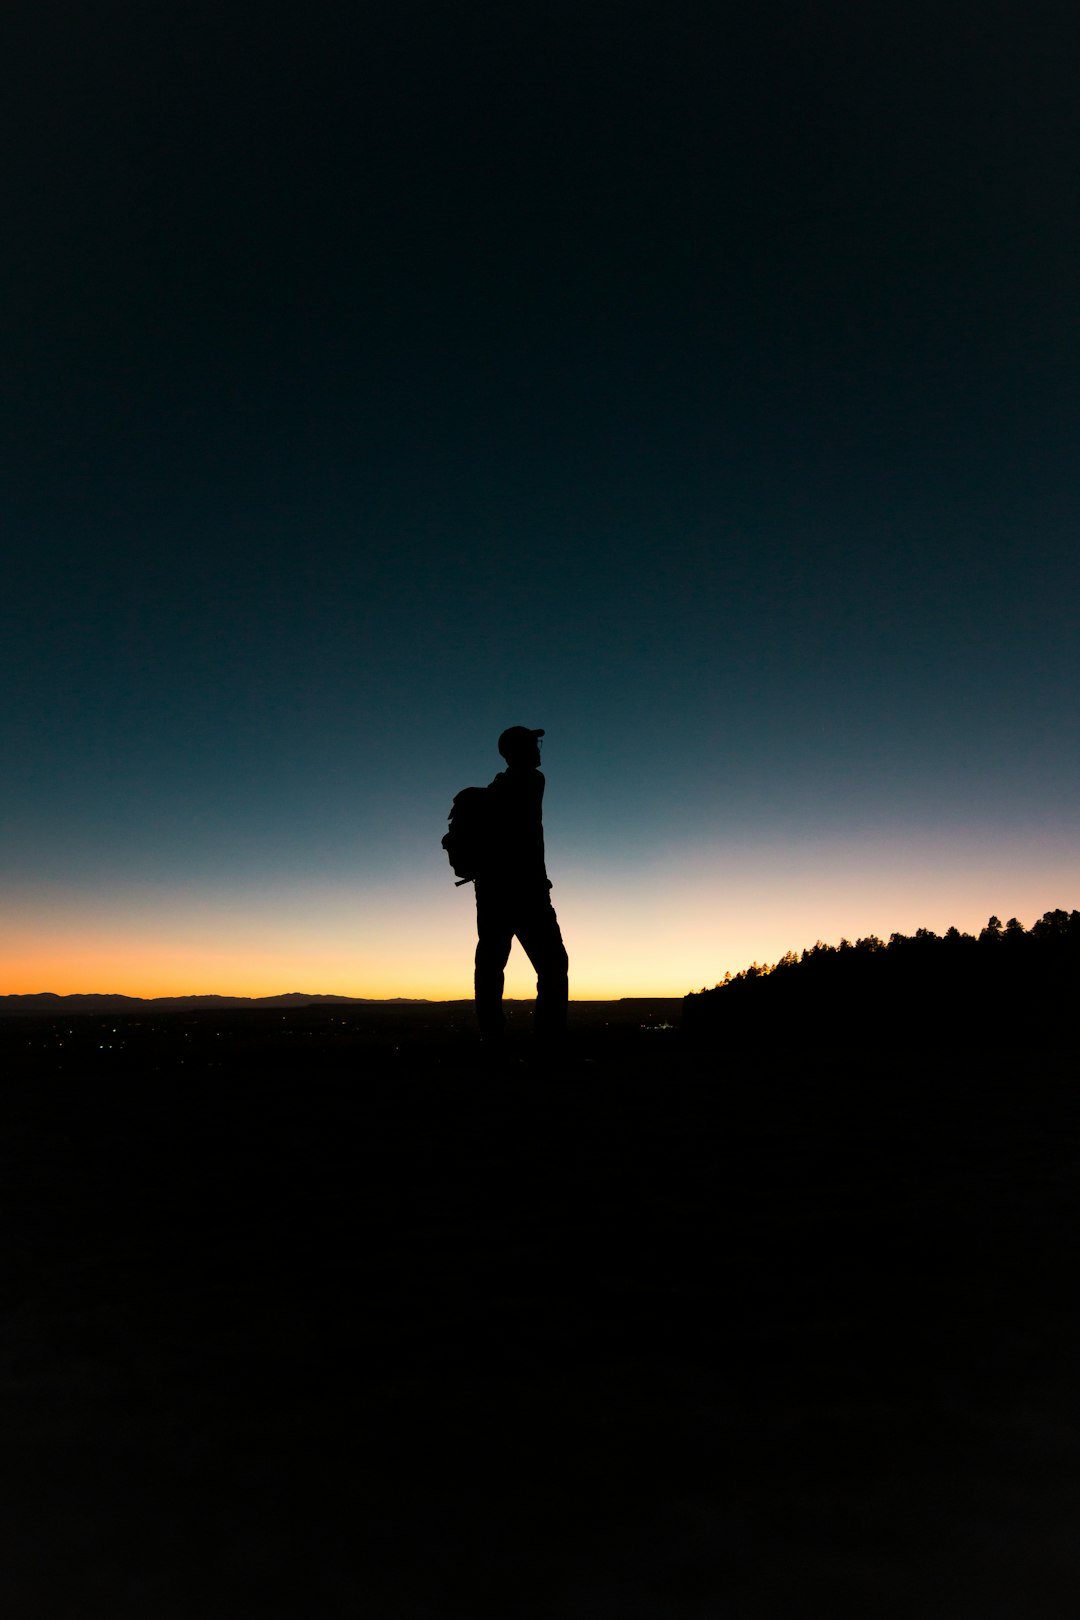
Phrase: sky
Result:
[698,382]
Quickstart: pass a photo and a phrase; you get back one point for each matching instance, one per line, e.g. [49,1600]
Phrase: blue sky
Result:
[702,391]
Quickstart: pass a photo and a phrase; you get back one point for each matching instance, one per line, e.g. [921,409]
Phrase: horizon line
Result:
[331,997]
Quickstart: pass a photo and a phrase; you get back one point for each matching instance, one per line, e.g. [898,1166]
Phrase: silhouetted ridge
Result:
[46,1003]
[1009,983]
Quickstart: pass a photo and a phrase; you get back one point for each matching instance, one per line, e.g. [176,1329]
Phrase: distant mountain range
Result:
[49,1005]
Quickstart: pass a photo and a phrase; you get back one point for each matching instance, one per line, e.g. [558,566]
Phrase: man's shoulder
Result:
[529,784]
[518,787]
[517,781]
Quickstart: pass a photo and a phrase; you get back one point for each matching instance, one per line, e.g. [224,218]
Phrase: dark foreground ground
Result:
[305,1315]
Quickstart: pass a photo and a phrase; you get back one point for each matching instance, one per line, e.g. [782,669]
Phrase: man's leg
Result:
[494,936]
[542,942]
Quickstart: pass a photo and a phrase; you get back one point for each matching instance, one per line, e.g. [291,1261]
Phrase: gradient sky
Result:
[697,382]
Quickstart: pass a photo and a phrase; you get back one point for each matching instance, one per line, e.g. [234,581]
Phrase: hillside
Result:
[1007,983]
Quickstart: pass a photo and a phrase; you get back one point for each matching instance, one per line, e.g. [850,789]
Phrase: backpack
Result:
[469,834]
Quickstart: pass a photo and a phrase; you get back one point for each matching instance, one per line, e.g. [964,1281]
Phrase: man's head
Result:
[520,746]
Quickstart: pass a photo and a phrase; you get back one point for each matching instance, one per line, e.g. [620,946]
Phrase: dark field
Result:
[305,1314]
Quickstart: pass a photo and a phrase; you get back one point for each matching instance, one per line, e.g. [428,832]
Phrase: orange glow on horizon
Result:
[662,931]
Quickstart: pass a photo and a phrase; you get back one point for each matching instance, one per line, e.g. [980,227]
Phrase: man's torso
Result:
[514,860]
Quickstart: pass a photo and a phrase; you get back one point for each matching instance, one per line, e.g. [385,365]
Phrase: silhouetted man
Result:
[513,894]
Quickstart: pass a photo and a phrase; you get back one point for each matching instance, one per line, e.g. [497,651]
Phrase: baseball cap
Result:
[516,736]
